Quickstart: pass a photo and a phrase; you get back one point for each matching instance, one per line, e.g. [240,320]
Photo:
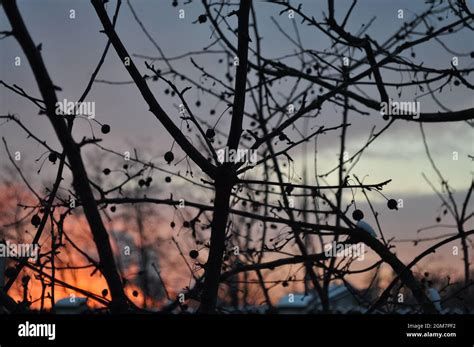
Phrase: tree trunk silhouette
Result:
[217,246]
[72,149]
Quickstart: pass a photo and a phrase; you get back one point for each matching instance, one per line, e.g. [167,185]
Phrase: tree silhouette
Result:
[274,105]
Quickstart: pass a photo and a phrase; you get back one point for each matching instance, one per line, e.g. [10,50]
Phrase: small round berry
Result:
[392,204]
[169,157]
[35,220]
[210,133]
[357,215]
[105,128]
[52,157]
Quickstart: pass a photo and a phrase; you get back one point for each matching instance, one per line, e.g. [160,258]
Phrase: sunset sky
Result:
[71,49]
